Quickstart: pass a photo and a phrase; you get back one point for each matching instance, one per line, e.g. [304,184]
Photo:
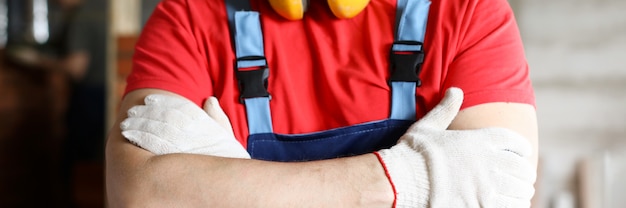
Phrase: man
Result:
[328,74]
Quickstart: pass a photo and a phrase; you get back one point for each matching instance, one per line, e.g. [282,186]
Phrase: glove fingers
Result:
[442,115]
[150,142]
[157,113]
[213,108]
[164,131]
[164,100]
[179,103]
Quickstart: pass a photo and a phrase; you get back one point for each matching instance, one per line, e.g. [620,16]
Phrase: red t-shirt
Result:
[327,72]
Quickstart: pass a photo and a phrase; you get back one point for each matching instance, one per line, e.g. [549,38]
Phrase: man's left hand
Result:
[168,124]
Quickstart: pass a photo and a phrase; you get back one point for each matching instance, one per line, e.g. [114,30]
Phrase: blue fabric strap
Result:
[251,63]
[233,6]
[411,20]
[406,47]
[247,37]
[403,101]
[400,8]
[259,117]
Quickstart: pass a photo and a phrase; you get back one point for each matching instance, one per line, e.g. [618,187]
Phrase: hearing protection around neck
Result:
[294,9]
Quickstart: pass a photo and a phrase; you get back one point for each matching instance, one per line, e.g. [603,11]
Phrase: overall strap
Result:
[250,65]
[407,57]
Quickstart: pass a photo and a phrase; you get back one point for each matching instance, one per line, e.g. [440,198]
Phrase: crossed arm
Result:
[136,177]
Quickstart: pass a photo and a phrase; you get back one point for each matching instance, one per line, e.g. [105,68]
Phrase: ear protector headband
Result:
[294,9]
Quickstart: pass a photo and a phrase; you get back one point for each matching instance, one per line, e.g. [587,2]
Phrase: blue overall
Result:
[406,58]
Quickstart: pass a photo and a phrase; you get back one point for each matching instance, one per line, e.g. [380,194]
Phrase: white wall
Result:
[577,53]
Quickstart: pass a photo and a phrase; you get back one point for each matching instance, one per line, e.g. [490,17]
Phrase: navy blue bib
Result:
[406,59]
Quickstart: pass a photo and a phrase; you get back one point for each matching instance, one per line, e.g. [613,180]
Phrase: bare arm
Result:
[135,176]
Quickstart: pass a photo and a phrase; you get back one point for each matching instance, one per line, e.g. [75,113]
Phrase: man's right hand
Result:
[435,167]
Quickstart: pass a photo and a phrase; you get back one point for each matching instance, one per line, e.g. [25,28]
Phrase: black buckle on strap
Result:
[407,65]
[253,82]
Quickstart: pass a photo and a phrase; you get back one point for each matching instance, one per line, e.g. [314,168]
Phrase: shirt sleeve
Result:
[490,65]
[168,57]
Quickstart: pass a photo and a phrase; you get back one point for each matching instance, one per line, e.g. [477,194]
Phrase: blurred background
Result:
[63,65]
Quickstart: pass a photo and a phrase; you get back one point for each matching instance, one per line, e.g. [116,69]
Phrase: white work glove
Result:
[168,124]
[435,167]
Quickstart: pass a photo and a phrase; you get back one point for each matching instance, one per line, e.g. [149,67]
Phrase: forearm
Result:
[136,177]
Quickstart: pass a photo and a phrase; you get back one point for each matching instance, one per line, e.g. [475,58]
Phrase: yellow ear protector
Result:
[294,9]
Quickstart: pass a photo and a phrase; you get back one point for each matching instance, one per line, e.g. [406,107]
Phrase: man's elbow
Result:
[128,177]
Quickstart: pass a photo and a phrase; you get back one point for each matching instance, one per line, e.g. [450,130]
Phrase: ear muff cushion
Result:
[290,9]
[294,9]
[347,8]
